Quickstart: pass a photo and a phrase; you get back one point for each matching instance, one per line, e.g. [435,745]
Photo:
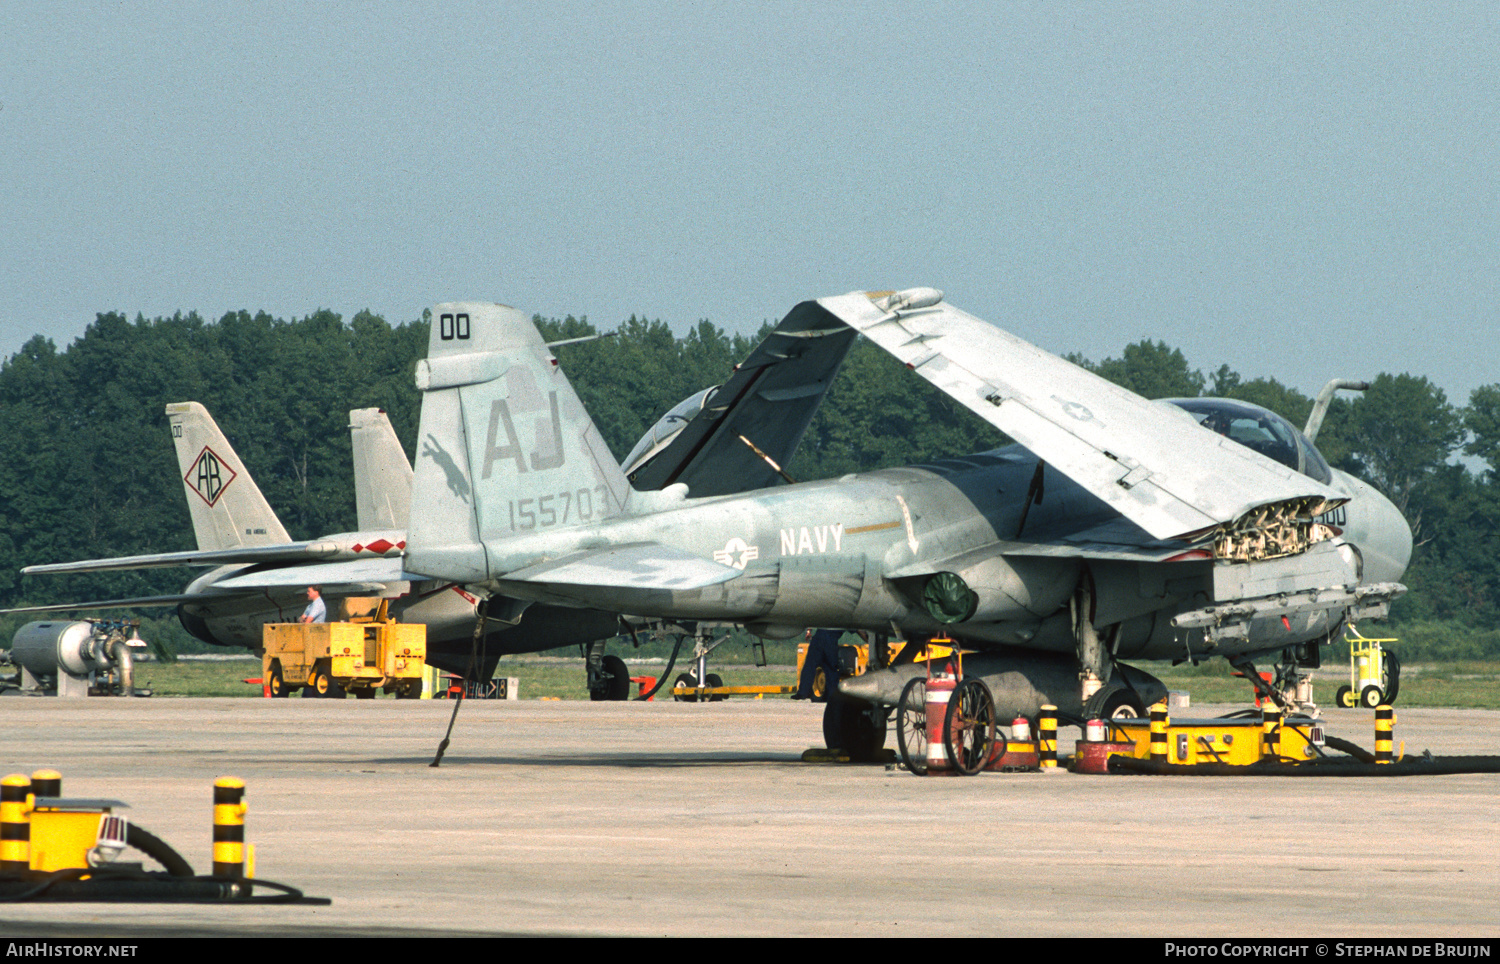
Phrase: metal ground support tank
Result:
[75,658]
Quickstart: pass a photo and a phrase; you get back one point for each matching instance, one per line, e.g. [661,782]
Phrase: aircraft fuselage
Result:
[852,553]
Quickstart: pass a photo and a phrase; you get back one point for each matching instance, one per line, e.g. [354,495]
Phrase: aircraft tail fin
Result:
[505,446]
[382,475]
[226,505]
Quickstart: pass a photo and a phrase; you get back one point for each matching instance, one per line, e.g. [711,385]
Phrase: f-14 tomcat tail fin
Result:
[382,475]
[226,505]
[505,447]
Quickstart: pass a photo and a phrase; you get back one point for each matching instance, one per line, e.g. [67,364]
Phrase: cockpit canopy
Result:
[666,428]
[1259,429]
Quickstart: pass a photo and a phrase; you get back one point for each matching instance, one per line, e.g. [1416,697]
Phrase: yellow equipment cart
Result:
[332,658]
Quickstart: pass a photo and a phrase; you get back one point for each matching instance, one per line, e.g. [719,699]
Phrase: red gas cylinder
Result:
[939,690]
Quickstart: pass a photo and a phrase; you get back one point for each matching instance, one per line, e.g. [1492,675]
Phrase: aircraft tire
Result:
[1392,677]
[1116,704]
[911,726]
[688,681]
[1344,697]
[617,684]
[713,679]
[1371,697]
[855,728]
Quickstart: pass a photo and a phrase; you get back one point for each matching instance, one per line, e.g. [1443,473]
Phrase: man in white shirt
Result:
[316,611]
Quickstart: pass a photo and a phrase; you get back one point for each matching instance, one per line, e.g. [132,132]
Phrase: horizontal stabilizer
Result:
[640,565]
[363,573]
[140,602]
[1169,476]
[248,555]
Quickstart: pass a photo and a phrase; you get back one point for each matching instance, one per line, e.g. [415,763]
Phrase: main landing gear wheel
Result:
[911,726]
[1113,704]
[685,681]
[612,682]
[969,729]
[712,680]
[1123,705]
[855,728]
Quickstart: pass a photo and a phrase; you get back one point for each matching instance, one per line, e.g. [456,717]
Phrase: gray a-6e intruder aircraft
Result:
[1118,528]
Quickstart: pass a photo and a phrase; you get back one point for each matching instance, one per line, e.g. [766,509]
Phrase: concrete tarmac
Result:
[700,820]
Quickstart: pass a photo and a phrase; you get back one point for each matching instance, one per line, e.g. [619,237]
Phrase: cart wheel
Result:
[911,726]
[1344,697]
[1392,678]
[819,683]
[1370,697]
[685,681]
[324,687]
[969,729]
[277,684]
[713,679]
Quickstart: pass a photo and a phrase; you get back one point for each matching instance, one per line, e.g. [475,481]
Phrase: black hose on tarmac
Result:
[158,850]
[127,884]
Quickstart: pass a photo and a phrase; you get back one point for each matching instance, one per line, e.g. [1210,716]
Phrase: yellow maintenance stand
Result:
[331,658]
[1374,672]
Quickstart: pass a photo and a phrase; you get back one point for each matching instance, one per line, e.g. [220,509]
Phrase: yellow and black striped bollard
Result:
[1046,736]
[229,827]
[1159,723]
[1385,725]
[46,783]
[1270,732]
[15,824]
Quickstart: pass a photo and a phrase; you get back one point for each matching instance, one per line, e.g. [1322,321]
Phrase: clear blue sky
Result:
[1297,190]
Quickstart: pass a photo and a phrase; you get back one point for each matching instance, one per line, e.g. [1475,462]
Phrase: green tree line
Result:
[87,469]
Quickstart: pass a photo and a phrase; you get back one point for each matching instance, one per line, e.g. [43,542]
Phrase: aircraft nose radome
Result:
[1401,541]
[1388,542]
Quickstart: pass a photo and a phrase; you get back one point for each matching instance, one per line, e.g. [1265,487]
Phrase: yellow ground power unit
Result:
[1236,741]
[332,658]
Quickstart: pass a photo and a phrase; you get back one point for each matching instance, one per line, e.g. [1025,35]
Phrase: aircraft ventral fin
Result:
[1167,475]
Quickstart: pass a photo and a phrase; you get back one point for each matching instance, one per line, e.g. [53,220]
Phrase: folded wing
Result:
[1172,478]
[768,402]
